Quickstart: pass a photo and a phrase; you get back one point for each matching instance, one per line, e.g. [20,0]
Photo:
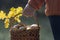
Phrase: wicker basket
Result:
[30,34]
[25,32]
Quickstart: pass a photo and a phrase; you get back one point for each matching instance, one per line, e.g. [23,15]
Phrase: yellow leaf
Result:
[2,15]
[17,19]
[19,10]
[12,9]
[6,23]
[11,14]
[19,15]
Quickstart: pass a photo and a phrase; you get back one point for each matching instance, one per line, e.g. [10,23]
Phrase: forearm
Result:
[31,7]
[36,4]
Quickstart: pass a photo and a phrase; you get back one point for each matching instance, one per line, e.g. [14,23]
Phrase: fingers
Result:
[28,11]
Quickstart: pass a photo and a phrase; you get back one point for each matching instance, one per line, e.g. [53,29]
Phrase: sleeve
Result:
[36,4]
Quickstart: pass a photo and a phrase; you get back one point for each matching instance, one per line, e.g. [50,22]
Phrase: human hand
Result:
[28,11]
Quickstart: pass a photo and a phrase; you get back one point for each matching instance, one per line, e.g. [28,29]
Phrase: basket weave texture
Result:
[31,34]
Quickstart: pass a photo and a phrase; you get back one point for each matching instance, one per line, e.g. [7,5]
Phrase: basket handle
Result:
[36,18]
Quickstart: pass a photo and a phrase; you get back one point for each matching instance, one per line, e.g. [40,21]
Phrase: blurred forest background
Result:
[45,32]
